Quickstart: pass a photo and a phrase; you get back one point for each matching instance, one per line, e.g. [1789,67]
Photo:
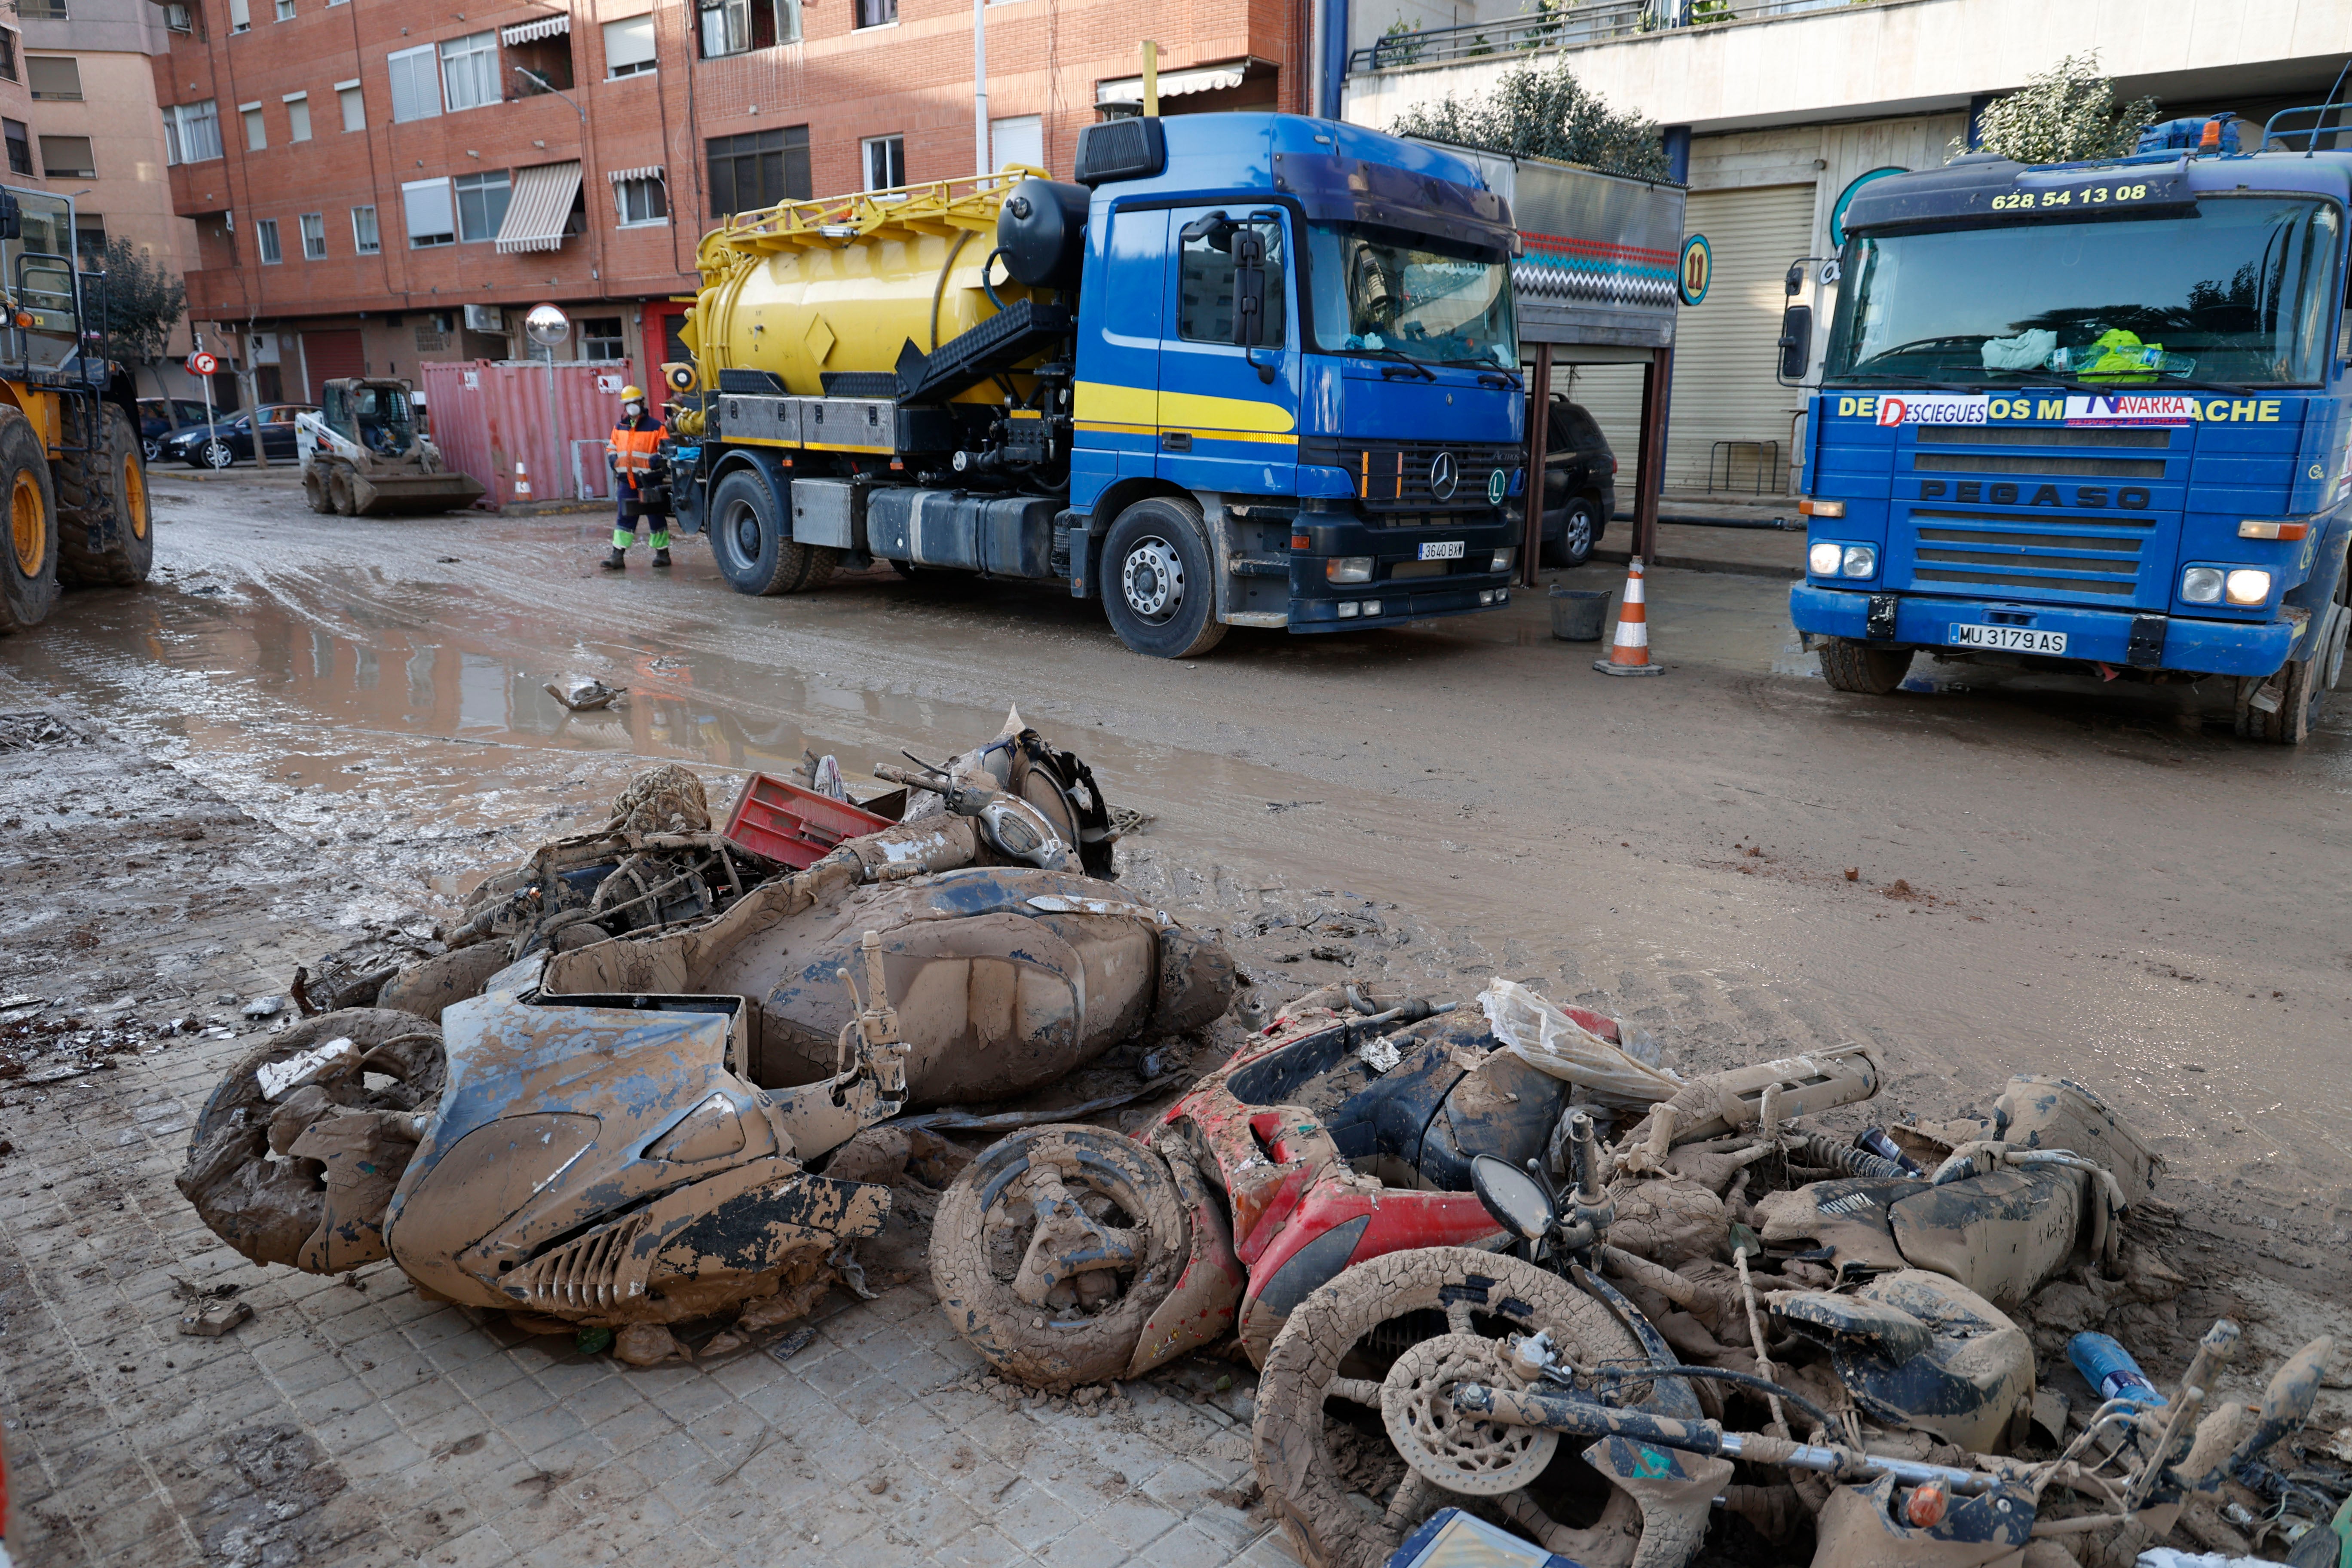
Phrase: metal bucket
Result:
[1578,614]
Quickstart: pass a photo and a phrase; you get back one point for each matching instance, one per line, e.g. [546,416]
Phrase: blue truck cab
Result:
[1247,370]
[2090,416]
[1356,465]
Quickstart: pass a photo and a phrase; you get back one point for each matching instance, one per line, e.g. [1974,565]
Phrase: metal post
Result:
[555,431]
[1539,448]
[1655,377]
[980,87]
[1151,77]
[212,431]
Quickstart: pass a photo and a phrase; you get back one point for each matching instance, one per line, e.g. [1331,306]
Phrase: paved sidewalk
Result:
[351,1422]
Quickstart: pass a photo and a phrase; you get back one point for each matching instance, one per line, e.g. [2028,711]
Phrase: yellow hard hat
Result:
[633,394]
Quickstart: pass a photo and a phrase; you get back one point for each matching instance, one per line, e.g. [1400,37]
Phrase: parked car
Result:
[159,416]
[229,438]
[1579,485]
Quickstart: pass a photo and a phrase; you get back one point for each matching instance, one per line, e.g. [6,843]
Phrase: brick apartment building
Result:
[375,185]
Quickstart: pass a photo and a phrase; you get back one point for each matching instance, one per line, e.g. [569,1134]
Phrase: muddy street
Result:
[1977,879]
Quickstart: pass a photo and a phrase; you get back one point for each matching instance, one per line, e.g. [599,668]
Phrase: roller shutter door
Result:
[332,356]
[1612,393]
[1723,355]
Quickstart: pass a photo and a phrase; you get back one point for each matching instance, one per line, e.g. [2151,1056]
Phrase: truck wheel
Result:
[1160,586]
[1850,666]
[1580,525]
[2301,685]
[747,537]
[1052,1250]
[823,562]
[314,490]
[28,576]
[110,498]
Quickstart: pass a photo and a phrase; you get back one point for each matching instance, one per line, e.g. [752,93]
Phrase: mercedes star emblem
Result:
[1442,477]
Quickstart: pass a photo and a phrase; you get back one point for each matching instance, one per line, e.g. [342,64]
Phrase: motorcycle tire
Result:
[1337,1345]
[267,1208]
[987,1226]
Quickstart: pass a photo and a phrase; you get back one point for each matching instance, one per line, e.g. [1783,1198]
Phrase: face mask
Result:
[633,409]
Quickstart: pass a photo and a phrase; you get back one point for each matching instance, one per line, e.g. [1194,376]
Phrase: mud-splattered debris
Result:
[582,694]
[1854,873]
[37,732]
[210,1323]
[1279,806]
[593,1341]
[792,1344]
[645,1345]
[265,1007]
[878,1486]
[1332,953]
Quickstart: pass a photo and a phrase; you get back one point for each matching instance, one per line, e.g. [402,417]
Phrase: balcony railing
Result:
[1552,26]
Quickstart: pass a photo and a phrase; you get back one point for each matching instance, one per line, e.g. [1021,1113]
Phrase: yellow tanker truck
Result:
[70,461]
[1248,370]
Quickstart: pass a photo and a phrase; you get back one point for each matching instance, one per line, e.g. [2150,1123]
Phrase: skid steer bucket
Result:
[386,495]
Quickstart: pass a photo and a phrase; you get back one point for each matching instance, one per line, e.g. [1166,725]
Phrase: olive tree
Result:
[2066,114]
[1548,114]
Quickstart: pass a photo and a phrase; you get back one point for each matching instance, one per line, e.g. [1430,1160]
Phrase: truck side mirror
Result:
[12,216]
[1249,288]
[1796,343]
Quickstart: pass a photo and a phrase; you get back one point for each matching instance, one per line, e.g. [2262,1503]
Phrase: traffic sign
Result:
[1697,269]
[202,362]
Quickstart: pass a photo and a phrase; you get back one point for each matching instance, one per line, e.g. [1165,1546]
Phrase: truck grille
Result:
[1397,474]
[2031,556]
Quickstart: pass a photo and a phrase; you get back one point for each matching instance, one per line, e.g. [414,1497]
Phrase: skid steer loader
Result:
[362,455]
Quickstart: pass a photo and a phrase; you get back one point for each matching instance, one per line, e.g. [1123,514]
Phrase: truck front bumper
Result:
[2102,636]
[1395,608]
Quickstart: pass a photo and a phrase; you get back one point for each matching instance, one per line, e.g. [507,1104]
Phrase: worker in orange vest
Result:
[633,452]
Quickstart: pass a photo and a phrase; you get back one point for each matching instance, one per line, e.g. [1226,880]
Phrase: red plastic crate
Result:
[796,826]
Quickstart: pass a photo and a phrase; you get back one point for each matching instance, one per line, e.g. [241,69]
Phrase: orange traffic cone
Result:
[522,482]
[1630,653]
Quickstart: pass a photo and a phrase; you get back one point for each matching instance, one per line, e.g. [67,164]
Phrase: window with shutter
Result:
[68,158]
[354,104]
[55,77]
[416,84]
[431,212]
[297,117]
[629,46]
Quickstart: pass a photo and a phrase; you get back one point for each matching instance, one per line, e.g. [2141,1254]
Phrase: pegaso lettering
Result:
[2130,497]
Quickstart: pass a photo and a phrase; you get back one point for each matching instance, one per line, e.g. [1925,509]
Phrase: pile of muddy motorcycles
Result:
[616,1104]
[1413,1221]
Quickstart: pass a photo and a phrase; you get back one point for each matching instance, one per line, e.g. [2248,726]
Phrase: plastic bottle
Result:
[2109,1368]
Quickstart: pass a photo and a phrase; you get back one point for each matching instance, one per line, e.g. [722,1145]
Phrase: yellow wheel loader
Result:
[69,459]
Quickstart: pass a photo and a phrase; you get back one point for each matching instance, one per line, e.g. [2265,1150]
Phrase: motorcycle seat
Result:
[1853,1323]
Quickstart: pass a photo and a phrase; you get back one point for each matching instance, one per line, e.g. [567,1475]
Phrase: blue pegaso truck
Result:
[1249,370]
[2089,417]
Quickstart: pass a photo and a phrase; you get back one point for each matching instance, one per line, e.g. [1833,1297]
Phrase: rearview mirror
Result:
[1515,1199]
[1796,343]
[1249,288]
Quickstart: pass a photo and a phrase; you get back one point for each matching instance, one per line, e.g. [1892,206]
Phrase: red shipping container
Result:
[791,825]
[489,415]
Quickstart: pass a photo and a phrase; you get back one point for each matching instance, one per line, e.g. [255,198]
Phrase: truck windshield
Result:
[2236,293]
[1382,290]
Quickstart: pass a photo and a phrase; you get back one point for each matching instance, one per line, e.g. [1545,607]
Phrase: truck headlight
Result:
[2201,585]
[1347,569]
[1503,559]
[2247,586]
[1861,561]
[1824,558]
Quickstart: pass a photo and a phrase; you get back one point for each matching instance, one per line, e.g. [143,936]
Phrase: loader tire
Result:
[314,490]
[987,1226]
[106,522]
[29,567]
[1338,1347]
[1850,666]
[1159,579]
[265,1206]
[340,493]
[747,537]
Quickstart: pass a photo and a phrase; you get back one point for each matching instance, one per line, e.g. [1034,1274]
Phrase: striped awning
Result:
[545,28]
[650,172]
[540,208]
[1176,83]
